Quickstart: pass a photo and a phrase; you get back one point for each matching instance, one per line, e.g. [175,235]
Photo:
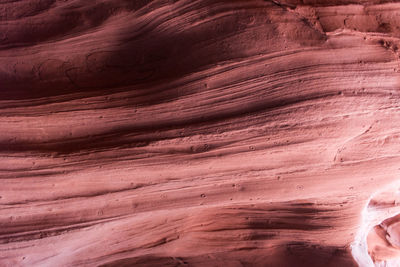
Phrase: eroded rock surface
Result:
[194,133]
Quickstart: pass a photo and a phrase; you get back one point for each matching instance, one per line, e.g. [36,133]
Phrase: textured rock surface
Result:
[195,133]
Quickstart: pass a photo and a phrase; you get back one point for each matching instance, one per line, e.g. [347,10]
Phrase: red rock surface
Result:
[198,133]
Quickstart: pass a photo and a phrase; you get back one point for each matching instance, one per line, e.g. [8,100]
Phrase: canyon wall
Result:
[197,132]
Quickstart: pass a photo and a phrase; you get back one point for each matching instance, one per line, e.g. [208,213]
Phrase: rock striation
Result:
[199,133]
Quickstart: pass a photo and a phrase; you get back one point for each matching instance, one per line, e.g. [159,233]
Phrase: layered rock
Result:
[195,133]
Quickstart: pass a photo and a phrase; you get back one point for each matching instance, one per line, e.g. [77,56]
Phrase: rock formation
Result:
[199,133]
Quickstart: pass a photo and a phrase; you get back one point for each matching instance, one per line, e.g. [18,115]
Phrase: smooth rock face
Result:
[199,132]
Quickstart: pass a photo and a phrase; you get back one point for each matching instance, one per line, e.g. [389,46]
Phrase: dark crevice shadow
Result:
[125,135]
[287,255]
[150,54]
